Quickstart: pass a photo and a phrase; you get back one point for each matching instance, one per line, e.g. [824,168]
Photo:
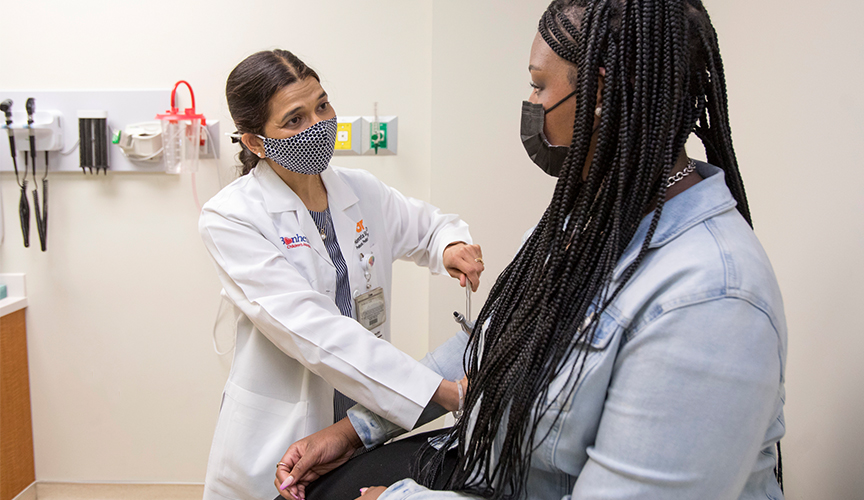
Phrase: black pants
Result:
[380,467]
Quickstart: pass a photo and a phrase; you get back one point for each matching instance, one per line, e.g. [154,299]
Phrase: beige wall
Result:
[479,167]
[794,73]
[125,382]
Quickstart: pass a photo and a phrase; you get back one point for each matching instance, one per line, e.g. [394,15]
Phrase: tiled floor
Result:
[78,491]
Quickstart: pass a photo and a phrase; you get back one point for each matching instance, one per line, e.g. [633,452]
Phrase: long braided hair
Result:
[664,79]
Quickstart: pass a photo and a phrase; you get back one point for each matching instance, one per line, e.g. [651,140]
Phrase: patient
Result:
[636,345]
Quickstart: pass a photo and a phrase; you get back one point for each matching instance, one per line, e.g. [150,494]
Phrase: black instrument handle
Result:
[24,214]
[41,223]
[82,145]
[38,214]
[45,214]
[12,149]
[33,151]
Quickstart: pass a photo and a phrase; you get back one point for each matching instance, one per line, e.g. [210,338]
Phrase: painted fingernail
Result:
[363,491]
[286,483]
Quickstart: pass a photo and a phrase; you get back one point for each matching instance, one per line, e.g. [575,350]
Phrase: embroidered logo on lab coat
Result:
[360,226]
[295,241]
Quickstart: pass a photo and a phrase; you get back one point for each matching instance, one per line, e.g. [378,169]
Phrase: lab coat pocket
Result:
[259,430]
[305,260]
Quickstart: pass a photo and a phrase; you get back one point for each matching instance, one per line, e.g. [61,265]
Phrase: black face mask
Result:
[548,157]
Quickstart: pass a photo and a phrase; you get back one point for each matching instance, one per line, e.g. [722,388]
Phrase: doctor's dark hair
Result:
[664,79]
[249,89]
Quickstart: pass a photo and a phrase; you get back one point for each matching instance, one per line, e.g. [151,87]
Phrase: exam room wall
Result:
[125,383]
[794,72]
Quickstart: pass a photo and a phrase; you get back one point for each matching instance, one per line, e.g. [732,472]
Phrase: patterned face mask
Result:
[308,152]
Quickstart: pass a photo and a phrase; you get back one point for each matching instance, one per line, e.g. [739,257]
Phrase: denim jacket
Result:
[683,388]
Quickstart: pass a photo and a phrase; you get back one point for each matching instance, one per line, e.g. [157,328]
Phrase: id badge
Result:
[371,309]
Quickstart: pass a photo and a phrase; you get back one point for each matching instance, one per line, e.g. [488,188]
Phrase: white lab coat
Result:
[292,344]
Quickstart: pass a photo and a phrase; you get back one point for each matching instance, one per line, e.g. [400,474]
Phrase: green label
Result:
[378,140]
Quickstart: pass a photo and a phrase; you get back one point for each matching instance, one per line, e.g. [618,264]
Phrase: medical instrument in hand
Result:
[465,321]
[23,204]
[41,211]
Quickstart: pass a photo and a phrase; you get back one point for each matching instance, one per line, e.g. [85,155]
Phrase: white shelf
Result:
[16,293]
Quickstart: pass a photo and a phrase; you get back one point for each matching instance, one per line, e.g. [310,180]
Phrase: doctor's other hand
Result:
[371,493]
[447,394]
[315,455]
[465,262]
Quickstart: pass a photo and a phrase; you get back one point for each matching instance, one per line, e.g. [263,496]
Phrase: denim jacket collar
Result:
[698,203]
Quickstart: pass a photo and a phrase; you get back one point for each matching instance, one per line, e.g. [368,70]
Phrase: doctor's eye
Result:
[324,105]
[534,86]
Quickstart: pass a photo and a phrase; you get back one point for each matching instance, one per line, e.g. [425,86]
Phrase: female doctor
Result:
[304,253]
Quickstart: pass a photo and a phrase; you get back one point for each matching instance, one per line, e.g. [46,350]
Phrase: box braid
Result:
[664,78]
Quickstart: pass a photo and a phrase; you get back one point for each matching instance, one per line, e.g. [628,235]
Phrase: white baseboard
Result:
[28,493]
[113,491]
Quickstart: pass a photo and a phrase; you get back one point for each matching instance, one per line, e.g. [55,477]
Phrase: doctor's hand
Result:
[464,262]
[315,455]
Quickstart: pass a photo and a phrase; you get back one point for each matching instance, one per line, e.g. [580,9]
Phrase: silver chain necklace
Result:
[691,166]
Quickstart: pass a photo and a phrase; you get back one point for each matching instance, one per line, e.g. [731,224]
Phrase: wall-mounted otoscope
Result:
[6,107]
[23,205]
[41,210]
[31,109]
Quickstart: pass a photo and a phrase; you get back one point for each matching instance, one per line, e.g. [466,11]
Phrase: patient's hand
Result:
[315,455]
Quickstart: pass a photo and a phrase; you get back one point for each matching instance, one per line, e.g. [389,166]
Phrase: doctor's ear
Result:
[253,143]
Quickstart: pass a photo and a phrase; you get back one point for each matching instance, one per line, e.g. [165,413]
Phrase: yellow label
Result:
[343,136]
